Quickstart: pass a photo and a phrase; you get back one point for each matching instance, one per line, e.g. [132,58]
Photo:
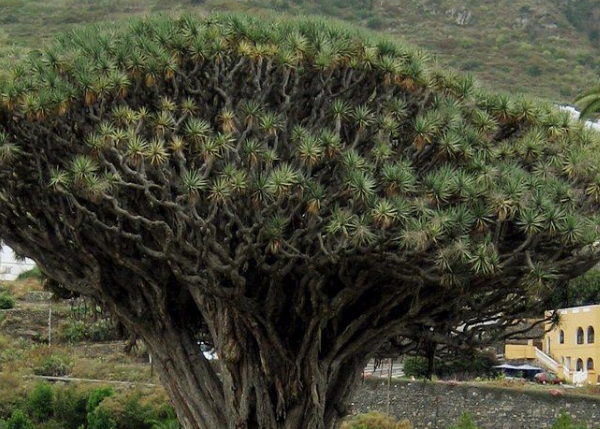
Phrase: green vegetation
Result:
[415,366]
[375,420]
[583,290]
[466,365]
[465,422]
[583,15]
[6,301]
[70,407]
[19,420]
[75,331]
[33,273]
[53,366]
[40,402]
[564,421]
[455,365]
[270,181]
[73,407]
[98,417]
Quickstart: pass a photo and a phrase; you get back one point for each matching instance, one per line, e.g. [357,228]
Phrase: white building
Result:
[11,267]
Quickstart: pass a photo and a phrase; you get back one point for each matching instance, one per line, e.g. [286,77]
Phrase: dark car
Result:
[547,378]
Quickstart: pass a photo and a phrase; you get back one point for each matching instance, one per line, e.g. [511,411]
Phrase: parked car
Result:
[547,378]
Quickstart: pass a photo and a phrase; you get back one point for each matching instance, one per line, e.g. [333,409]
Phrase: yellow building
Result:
[570,349]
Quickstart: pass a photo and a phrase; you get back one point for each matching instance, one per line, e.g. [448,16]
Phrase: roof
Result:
[519,367]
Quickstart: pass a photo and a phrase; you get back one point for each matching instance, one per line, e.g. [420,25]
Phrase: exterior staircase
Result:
[578,378]
[546,361]
[531,352]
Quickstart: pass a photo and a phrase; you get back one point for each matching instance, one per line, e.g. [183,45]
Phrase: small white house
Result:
[11,267]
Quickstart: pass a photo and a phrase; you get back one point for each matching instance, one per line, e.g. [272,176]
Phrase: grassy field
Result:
[536,47]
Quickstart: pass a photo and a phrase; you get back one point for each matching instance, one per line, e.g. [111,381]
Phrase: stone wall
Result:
[438,405]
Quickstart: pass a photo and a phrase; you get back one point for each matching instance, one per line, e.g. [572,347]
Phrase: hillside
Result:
[547,48]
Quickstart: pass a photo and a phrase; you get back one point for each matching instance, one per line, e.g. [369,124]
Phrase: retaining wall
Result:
[436,405]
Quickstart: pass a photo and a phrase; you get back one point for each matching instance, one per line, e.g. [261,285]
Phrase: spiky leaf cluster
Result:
[217,144]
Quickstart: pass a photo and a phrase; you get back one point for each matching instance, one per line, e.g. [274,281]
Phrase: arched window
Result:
[561,337]
[579,335]
[590,334]
[579,366]
[590,364]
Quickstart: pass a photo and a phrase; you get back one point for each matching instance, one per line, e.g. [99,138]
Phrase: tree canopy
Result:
[299,191]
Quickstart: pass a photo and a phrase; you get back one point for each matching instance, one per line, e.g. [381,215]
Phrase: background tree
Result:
[583,290]
[589,102]
[302,193]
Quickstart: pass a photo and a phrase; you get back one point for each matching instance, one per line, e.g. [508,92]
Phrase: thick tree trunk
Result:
[189,380]
[258,398]
[246,388]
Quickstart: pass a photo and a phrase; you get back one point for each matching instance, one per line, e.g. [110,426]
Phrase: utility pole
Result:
[150,361]
[389,386]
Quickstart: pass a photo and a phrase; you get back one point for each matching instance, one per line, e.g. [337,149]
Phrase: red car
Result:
[547,378]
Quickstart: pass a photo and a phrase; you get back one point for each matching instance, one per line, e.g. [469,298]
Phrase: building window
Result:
[590,364]
[561,337]
[579,366]
[590,335]
[579,335]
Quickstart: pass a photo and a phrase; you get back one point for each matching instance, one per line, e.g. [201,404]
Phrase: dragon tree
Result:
[299,192]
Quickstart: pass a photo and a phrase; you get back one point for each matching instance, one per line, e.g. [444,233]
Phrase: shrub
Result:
[502,40]
[6,302]
[130,411]
[53,366]
[102,330]
[10,354]
[375,22]
[97,396]
[101,419]
[535,70]
[466,422]
[70,408]
[74,331]
[33,273]
[375,420]
[10,394]
[97,417]
[415,366]
[467,365]
[564,421]
[40,402]
[19,420]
